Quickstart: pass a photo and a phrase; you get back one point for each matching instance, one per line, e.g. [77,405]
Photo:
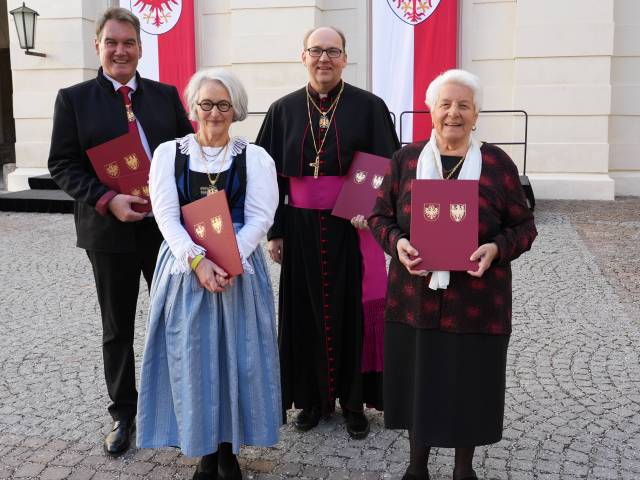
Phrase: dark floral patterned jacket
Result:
[469,304]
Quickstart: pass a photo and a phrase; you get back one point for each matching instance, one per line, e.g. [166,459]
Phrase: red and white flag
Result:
[168,39]
[413,42]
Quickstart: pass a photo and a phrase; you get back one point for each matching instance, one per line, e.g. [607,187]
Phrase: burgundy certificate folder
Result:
[358,194]
[209,224]
[124,155]
[136,184]
[444,223]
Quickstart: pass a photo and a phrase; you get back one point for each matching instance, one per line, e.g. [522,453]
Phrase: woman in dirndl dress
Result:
[210,379]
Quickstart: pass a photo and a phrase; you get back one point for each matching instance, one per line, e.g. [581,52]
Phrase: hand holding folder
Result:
[358,194]
[123,166]
[208,223]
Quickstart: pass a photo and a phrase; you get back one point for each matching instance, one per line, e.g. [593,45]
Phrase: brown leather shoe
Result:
[117,442]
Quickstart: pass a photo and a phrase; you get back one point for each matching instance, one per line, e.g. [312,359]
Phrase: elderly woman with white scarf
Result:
[447,333]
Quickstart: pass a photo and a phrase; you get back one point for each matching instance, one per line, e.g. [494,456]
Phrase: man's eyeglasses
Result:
[331,52]
[207,105]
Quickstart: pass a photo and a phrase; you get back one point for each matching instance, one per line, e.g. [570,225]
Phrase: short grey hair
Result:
[461,77]
[228,79]
[120,15]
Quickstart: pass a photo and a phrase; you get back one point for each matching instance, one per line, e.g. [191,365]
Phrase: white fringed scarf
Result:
[430,168]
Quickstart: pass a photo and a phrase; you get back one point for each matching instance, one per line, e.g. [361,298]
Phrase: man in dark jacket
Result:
[119,241]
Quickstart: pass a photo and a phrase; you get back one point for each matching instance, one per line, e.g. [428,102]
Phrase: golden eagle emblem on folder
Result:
[216,223]
[132,161]
[458,211]
[113,170]
[360,176]
[431,211]
[200,230]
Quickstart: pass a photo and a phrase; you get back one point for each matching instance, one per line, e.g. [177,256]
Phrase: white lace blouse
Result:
[261,198]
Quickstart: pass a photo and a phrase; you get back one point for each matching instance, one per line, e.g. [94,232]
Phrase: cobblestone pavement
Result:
[573,392]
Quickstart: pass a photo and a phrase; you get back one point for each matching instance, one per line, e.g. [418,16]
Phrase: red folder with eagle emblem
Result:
[444,223]
[136,184]
[208,223]
[117,158]
[361,184]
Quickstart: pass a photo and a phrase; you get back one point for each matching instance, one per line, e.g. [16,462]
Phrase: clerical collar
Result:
[332,93]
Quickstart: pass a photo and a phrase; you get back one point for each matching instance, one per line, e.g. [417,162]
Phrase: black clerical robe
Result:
[320,328]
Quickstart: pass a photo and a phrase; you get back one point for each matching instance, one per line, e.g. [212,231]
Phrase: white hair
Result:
[461,77]
[229,81]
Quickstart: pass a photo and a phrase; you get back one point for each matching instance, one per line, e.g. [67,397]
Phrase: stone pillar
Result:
[563,58]
[624,122]
[65,32]
[574,66]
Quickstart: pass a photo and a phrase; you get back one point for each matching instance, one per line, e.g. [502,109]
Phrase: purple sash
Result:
[320,194]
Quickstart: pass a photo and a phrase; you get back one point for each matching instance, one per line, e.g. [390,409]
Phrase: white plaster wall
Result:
[562,74]
[624,124]
[574,65]
[65,32]
[261,41]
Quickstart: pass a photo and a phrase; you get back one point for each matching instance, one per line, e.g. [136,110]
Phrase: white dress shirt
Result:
[261,198]
[133,85]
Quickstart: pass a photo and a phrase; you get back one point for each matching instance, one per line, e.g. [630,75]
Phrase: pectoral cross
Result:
[316,166]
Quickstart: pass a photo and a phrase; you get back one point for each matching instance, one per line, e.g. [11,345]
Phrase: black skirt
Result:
[447,388]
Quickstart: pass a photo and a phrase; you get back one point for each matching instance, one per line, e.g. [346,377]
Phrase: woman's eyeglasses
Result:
[207,105]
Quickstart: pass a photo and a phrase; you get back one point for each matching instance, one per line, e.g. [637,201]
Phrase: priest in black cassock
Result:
[330,310]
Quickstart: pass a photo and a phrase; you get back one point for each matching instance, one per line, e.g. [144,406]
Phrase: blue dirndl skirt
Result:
[210,370]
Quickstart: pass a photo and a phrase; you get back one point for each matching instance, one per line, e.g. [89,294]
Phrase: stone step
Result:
[43,182]
[43,201]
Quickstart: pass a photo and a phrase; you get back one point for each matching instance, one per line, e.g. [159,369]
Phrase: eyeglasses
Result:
[223,105]
[331,52]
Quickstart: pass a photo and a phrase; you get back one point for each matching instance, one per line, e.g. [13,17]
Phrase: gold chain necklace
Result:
[211,189]
[205,155]
[453,170]
[316,163]
[324,121]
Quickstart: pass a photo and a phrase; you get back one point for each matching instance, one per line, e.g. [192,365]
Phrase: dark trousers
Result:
[117,277]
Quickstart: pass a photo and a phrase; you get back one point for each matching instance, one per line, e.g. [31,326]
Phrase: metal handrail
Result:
[526,129]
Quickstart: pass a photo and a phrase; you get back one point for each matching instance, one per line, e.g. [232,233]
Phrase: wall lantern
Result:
[25,19]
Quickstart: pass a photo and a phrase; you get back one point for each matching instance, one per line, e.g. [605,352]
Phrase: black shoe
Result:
[231,472]
[411,476]
[357,424]
[207,468]
[117,442]
[308,418]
